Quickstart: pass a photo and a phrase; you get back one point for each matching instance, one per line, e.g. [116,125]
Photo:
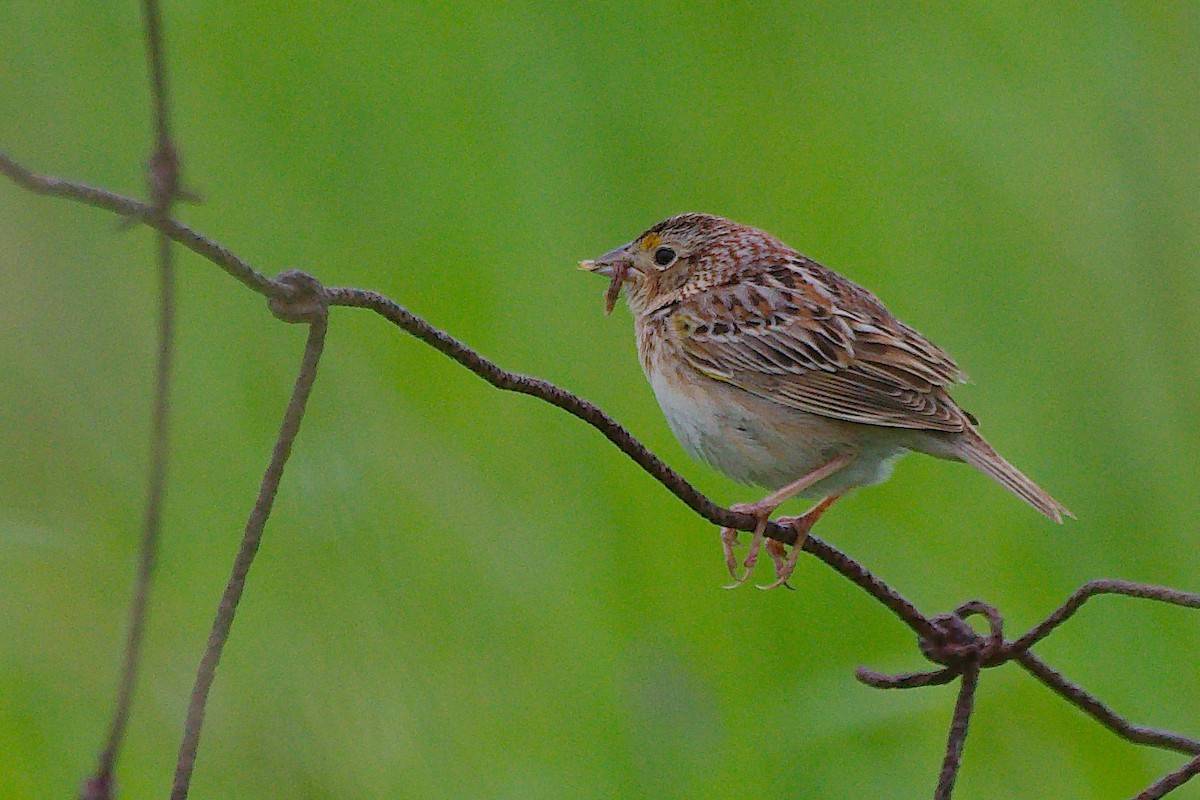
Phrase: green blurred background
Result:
[469,594]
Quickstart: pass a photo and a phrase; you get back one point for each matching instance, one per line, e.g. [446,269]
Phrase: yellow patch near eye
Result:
[651,241]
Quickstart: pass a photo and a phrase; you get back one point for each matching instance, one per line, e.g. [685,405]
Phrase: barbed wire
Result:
[946,640]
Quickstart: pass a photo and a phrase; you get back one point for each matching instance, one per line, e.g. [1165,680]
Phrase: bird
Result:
[781,373]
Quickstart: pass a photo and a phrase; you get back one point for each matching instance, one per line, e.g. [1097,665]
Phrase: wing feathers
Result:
[827,349]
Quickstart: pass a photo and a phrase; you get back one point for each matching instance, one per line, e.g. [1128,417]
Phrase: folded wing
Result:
[803,336]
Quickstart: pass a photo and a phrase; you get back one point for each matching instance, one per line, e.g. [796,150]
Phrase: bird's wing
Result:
[803,336]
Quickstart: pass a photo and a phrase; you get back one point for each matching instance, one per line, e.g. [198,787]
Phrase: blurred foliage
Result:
[463,593]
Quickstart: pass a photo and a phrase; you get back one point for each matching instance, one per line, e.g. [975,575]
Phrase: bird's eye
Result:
[663,256]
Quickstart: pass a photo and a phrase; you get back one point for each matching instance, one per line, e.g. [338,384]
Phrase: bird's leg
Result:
[763,510]
[729,538]
[779,556]
[784,567]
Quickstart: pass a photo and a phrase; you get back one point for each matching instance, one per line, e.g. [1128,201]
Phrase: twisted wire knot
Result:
[956,648]
[960,644]
[302,298]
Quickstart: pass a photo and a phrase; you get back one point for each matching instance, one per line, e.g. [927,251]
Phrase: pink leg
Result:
[763,510]
[729,539]
[779,557]
[803,524]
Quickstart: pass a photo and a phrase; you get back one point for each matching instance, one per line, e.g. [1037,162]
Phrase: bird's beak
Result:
[605,264]
[614,265]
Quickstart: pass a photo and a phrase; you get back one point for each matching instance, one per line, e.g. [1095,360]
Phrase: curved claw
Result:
[729,540]
[785,567]
[739,583]
[782,581]
[778,553]
[802,525]
[729,535]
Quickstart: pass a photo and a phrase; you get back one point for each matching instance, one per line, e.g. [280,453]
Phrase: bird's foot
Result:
[785,562]
[786,565]
[779,557]
[729,540]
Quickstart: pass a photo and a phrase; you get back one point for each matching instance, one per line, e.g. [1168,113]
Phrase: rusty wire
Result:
[164,189]
[947,640]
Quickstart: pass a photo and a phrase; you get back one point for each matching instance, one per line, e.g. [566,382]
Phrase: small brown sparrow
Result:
[782,373]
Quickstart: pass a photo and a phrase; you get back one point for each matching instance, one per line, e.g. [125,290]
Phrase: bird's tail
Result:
[979,454]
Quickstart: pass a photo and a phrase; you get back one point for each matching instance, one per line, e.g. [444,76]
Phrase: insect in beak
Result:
[614,287]
[613,265]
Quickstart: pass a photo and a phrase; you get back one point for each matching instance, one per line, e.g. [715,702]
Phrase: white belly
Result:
[757,441]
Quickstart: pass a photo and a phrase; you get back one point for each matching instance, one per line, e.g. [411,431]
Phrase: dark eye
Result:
[664,256]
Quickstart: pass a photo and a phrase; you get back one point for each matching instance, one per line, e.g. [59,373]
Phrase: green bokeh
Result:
[469,594]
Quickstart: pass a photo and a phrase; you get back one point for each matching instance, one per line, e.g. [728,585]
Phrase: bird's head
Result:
[685,250]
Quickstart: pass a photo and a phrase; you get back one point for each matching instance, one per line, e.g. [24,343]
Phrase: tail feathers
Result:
[979,454]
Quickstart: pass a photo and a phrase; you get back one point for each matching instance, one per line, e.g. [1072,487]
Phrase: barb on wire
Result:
[309,308]
[163,181]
